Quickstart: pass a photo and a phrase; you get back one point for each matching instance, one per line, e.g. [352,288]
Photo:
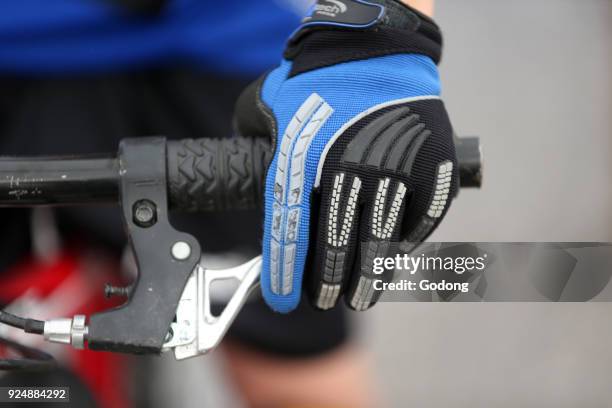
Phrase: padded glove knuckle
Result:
[393,165]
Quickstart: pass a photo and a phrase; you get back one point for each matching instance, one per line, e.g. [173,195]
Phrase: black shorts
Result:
[89,115]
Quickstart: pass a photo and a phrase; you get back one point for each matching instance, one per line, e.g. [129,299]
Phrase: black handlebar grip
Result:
[217,174]
[228,174]
[469,155]
[203,175]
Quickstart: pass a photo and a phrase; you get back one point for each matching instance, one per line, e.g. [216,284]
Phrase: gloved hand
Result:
[364,154]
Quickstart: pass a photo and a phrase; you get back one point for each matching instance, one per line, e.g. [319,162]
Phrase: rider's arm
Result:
[424,6]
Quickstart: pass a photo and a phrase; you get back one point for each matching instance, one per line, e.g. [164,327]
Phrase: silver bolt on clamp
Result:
[181,251]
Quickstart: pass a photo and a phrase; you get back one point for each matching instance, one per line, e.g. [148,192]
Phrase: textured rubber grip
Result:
[217,174]
[228,174]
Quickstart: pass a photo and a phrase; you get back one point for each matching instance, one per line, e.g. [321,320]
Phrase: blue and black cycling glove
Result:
[364,153]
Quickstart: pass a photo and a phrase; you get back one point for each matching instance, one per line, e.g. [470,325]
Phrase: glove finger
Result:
[336,238]
[379,226]
[380,148]
[431,166]
[430,206]
[287,219]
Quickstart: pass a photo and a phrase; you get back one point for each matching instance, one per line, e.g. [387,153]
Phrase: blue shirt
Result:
[242,37]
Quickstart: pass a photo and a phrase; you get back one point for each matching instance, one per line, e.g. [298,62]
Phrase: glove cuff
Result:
[338,31]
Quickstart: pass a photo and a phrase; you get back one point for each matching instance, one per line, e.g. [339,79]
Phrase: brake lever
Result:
[169,304]
[197,330]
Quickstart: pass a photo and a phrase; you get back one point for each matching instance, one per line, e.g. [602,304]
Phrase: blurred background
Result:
[533,80]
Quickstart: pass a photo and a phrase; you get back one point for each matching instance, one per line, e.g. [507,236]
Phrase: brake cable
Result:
[27,325]
[33,359]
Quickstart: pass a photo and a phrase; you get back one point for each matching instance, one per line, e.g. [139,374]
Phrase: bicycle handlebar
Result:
[148,177]
[203,175]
